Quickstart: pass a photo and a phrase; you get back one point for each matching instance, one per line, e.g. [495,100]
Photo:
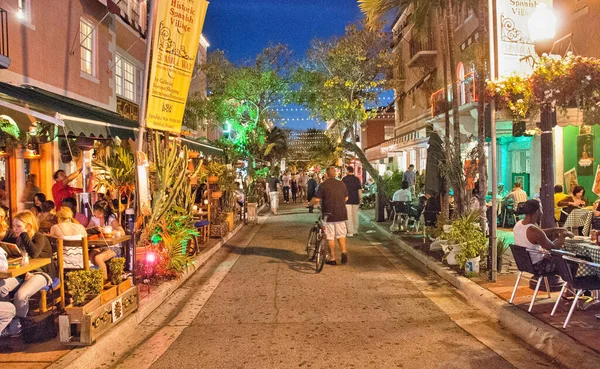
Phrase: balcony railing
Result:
[421,49]
[466,94]
[4,58]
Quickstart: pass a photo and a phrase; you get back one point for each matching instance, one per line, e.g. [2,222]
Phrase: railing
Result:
[467,94]
[418,45]
[4,35]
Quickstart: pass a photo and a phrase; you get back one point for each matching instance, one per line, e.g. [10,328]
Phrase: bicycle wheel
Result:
[310,243]
[321,253]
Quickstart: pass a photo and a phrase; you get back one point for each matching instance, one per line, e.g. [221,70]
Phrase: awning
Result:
[202,147]
[80,119]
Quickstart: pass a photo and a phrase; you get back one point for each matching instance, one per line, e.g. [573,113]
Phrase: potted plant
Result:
[472,242]
[502,246]
[116,267]
[214,170]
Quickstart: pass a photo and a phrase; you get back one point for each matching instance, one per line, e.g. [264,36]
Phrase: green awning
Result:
[202,147]
[81,119]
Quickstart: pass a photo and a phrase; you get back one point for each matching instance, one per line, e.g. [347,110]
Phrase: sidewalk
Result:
[15,354]
[544,332]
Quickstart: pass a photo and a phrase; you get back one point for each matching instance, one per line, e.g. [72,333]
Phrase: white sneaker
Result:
[350,235]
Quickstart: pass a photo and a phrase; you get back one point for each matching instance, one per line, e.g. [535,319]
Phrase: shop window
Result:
[125,78]
[388,132]
[87,45]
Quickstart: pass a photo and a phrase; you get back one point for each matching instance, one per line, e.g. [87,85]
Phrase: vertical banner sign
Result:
[174,48]
[514,43]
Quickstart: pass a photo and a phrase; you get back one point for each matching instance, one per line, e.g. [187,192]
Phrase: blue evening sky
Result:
[242,28]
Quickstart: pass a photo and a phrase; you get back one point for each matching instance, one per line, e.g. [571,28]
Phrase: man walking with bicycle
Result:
[332,194]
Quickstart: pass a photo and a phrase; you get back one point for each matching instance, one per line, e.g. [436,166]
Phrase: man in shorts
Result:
[332,194]
[273,184]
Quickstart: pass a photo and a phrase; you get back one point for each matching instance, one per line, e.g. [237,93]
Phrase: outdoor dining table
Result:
[584,247]
[103,241]
[19,270]
[580,218]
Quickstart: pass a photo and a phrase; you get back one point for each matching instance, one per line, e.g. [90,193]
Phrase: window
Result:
[401,161]
[24,10]
[388,132]
[87,40]
[135,12]
[125,78]
[521,161]
[422,159]
[413,157]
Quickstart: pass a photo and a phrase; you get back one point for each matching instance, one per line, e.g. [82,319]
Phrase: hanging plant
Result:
[515,94]
[66,155]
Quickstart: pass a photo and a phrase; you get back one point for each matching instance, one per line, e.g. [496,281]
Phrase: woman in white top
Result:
[66,228]
[528,234]
[103,217]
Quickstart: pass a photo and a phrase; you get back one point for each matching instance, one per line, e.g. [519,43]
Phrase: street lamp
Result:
[542,30]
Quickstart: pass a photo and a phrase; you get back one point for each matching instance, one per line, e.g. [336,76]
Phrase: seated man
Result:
[559,196]
[529,235]
[403,194]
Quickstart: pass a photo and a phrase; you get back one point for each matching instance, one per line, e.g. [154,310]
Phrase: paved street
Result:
[259,304]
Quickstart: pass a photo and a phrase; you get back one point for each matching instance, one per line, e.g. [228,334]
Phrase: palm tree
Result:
[277,144]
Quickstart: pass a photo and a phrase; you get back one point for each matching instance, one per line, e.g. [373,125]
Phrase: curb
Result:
[543,337]
[85,357]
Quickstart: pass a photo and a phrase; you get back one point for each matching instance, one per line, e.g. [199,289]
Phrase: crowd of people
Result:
[31,230]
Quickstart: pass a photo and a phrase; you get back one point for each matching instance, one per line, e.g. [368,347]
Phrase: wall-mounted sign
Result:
[175,45]
[127,109]
[514,43]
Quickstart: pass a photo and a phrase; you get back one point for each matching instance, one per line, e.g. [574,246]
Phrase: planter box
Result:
[219,230]
[229,220]
[83,325]
[124,286]
[109,293]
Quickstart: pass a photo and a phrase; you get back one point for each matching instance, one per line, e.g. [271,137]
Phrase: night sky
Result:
[242,28]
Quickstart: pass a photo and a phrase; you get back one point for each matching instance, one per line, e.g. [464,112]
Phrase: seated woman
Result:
[103,217]
[36,245]
[576,200]
[529,235]
[46,219]
[67,229]
[6,233]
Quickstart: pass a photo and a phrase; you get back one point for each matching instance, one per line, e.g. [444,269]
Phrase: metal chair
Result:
[567,267]
[522,257]
[401,211]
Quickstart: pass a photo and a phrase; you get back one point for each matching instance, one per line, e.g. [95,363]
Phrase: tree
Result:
[241,97]
[277,145]
[339,78]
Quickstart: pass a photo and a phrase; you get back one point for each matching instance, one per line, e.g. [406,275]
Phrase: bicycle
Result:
[316,246]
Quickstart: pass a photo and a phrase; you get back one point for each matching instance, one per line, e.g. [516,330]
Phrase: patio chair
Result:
[567,267]
[401,210]
[522,257]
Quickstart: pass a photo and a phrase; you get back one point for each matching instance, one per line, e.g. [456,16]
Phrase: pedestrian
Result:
[410,177]
[286,179]
[294,186]
[302,182]
[332,194]
[311,189]
[354,188]
[273,189]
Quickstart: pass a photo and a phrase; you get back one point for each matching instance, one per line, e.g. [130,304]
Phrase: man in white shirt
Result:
[302,183]
[285,180]
[403,194]
[517,195]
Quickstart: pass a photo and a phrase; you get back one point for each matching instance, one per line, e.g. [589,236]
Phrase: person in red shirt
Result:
[61,189]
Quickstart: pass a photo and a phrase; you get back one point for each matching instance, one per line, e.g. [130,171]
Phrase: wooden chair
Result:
[57,294]
[204,229]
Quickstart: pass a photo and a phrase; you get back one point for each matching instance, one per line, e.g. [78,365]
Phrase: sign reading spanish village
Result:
[514,42]
[175,45]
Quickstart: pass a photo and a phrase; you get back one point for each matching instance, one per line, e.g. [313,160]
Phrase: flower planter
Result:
[252,210]
[82,325]
[229,220]
[216,194]
[124,286]
[212,179]
[472,265]
[452,250]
